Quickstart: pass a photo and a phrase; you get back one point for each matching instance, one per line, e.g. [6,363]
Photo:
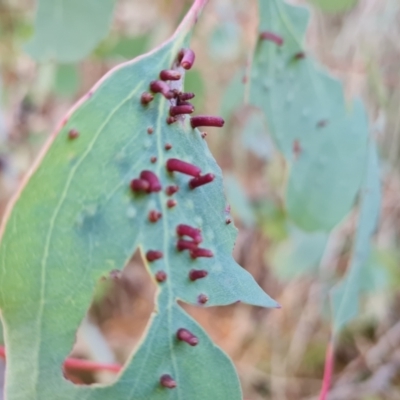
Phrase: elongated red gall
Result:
[153,255]
[146,98]
[175,165]
[271,37]
[201,180]
[186,58]
[182,244]
[140,185]
[160,276]
[181,109]
[187,230]
[170,75]
[202,298]
[195,274]
[206,120]
[73,134]
[161,87]
[154,216]
[197,253]
[167,381]
[186,336]
[186,96]
[154,182]
[171,203]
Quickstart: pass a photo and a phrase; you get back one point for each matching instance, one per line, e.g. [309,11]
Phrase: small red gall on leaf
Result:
[206,120]
[181,109]
[171,120]
[195,274]
[172,189]
[202,298]
[186,336]
[170,75]
[154,182]
[146,98]
[153,159]
[296,149]
[271,37]
[201,180]
[160,276]
[168,146]
[186,96]
[187,230]
[167,381]
[186,58]
[171,203]
[161,87]
[228,221]
[153,255]
[322,123]
[203,135]
[73,134]
[186,245]
[175,165]
[197,253]
[154,216]
[140,185]
[150,130]
[299,56]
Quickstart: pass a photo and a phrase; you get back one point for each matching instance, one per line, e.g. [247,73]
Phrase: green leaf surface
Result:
[334,6]
[299,254]
[345,295]
[68,30]
[323,138]
[76,219]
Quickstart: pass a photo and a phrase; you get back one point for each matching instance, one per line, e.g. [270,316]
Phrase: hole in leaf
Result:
[115,323]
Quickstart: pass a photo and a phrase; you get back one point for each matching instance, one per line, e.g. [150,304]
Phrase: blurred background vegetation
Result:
[279,354]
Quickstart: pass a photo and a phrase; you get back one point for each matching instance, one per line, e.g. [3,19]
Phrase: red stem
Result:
[79,364]
[328,370]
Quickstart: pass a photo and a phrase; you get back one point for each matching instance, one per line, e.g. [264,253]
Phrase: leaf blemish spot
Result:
[73,134]
[171,203]
[153,159]
[202,298]
[172,189]
[228,221]
[161,276]
[167,381]
[154,216]
[171,120]
[150,130]
[186,336]
[322,123]
[195,274]
[146,98]
[168,146]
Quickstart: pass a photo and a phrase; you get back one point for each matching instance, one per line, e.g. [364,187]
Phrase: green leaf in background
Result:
[299,255]
[238,201]
[254,136]
[224,44]
[66,82]
[334,6]
[345,295]
[77,218]
[126,47]
[68,30]
[323,139]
